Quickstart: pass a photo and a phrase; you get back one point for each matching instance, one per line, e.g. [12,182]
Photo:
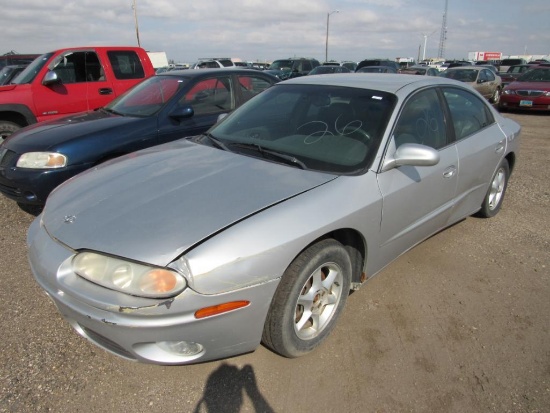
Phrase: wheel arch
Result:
[511,158]
[18,114]
[356,247]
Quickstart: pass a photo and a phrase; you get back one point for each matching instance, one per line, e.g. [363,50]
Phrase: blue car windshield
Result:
[30,72]
[148,97]
[325,128]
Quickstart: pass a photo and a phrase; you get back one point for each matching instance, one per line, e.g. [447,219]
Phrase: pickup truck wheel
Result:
[6,129]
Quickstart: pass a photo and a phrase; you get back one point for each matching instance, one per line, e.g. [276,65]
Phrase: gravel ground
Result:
[458,324]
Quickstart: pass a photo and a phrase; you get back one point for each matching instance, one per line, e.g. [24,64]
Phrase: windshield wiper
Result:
[216,141]
[289,159]
[114,112]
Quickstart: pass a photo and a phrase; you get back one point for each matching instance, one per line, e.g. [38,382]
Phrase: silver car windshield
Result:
[326,128]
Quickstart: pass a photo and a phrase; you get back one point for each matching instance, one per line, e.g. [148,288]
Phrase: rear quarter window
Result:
[126,64]
[469,113]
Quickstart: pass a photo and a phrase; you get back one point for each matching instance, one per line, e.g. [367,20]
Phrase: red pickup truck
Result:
[70,80]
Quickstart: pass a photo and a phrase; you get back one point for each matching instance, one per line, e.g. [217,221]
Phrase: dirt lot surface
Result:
[458,324]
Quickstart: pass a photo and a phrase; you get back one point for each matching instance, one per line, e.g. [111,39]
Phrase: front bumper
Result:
[524,103]
[136,328]
[32,186]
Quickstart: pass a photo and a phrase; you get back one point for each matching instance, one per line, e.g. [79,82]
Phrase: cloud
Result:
[262,30]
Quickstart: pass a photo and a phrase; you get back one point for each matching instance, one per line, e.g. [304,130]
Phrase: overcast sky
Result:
[259,30]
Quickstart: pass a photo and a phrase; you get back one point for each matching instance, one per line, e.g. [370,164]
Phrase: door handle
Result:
[449,172]
[500,146]
[105,91]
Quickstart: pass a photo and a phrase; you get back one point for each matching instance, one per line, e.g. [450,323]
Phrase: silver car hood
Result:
[153,205]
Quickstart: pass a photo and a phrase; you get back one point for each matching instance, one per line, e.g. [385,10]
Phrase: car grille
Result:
[530,93]
[6,157]
[106,343]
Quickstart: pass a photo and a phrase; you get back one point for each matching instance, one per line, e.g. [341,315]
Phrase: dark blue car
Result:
[163,108]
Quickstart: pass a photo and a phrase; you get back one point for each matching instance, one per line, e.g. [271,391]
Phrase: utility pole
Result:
[136,22]
[326,43]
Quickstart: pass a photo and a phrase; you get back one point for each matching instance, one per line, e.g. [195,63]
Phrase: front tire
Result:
[309,299]
[495,195]
[6,129]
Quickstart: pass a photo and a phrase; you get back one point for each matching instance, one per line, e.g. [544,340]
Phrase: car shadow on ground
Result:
[224,391]
[34,210]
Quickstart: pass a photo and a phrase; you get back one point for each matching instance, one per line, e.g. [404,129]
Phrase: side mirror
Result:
[182,112]
[412,154]
[51,78]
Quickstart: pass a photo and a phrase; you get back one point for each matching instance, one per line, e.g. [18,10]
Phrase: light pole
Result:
[326,43]
[425,41]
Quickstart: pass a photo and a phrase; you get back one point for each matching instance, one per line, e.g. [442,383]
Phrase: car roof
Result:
[386,82]
[478,67]
[193,73]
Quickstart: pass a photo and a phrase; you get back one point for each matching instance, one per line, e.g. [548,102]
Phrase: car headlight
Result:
[509,92]
[128,277]
[42,160]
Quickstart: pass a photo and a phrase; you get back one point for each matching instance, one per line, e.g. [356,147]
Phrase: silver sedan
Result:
[258,230]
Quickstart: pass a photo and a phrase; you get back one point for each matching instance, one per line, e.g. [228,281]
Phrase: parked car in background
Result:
[323,70]
[68,81]
[11,59]
[202,248]
[458,63]
[491,67]
[494,63]
[260,66]
[530,91]
[506,63]
[293,67]
[8,73]
[480,78]
[376,69]
[213,63]
[168,106]
[243,64]
[513,73]
[443,66]
[378,62]
[420,70]
[349,65]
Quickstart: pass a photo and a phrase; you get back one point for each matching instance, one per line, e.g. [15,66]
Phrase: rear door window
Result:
[210,96]
[468,112]
[126,64]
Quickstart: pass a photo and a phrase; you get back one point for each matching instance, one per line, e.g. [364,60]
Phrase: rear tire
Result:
[495,99]
[495,195]
[309,299]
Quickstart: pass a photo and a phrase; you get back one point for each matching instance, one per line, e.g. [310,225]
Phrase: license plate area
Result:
[526,103]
